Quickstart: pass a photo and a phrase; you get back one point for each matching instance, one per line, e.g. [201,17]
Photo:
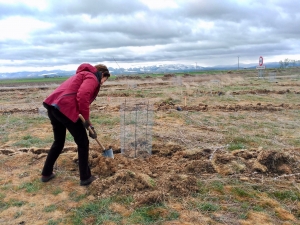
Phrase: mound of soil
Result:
[160,176]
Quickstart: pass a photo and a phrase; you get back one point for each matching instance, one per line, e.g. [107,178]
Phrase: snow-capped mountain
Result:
[159,68]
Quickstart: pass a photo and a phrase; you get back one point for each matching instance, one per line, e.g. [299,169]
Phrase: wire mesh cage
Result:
[272,76]
[261,73]
[136,128]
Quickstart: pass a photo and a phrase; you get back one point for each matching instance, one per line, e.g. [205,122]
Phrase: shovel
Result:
[106,152]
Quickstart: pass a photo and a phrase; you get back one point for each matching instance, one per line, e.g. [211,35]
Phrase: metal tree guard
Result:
[136,128]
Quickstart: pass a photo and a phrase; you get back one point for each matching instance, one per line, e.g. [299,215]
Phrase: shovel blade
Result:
[108,153]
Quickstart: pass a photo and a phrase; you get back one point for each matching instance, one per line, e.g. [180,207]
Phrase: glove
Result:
[94,134]
[86,124]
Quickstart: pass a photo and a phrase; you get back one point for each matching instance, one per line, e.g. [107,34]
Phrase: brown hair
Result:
[103,69]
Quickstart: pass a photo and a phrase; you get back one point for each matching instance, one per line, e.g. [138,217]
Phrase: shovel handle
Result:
[90,130]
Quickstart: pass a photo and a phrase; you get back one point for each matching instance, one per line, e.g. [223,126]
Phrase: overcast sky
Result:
[61,34]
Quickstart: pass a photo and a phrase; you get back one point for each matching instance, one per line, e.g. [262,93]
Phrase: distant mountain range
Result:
[163,68]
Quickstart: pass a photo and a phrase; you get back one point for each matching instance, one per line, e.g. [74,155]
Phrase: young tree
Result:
[286,63]
[281,64]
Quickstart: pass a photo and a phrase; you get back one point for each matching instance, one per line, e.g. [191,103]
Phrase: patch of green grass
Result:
[258,208]
[237,117]
[76,197]
[218,186]
[245,205]
[69,137]
[57,190]
[17,203]
[235,146]
[170,101]
[50,208]
[177,115]
[259,188]
[242,192]
[140,94]
[98,211]
[126,200]
[295,142]
[238,143]
[203,189]
[105,119]
[286,195]
[152,182]
[207,207]
[234,181]
[28,141]
[3,206]
[31,187]
[4,137]
[243,216]
[11,203]
[6,186]
[154,214]
[34,80]
[15,122]
[18,214]
[55,222]
[49,139]
[2,196]
[239,211]
[36,119]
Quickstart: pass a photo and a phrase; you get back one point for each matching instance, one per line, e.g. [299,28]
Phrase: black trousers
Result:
[60,123]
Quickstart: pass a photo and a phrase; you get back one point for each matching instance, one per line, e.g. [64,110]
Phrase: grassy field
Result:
[225,150]
[153,75]
[32,80]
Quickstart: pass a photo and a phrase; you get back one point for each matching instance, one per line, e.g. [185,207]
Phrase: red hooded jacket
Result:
[74,96]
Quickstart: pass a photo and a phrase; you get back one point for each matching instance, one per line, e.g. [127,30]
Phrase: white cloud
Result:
[40,4]
[59,34]
[20,28]
[159,4]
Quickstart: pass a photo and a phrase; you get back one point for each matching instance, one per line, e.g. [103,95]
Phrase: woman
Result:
[64,104]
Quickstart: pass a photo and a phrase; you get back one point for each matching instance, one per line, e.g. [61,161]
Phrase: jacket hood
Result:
[86,67]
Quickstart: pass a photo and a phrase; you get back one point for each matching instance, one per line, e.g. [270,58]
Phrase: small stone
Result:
[178,108]
[244,178]
[91,198]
